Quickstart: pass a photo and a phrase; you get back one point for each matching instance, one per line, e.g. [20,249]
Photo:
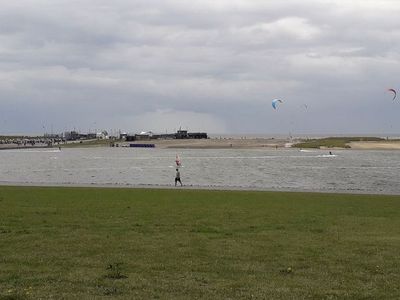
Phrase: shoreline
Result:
[386,145]
[223,143]
[226,143]
[259,143]
[194,188]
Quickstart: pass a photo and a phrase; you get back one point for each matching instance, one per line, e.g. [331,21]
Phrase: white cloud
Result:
[291,27]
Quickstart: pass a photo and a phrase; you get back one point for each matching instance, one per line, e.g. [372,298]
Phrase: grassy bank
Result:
[80,243]
[335,142]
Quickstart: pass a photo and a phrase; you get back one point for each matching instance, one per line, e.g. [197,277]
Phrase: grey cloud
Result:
[115,62]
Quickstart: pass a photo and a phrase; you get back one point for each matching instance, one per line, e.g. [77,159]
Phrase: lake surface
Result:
[283,169]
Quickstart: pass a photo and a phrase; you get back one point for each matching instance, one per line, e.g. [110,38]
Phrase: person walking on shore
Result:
[178,177]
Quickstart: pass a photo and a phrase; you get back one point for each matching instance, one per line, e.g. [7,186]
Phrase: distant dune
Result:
[381,145]
[221,143]
[262,143]
[231,143]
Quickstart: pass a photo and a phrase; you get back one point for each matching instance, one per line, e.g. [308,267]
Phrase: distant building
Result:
[180,134]
[91,136]
[52,136]
[184,134]
[130,138]
[102,135]
[142,137]
[197,135]
[71,135]
[122,135]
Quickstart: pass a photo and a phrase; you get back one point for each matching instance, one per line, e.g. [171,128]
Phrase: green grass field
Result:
[79,243]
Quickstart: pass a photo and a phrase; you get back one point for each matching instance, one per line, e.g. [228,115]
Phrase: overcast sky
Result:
[207,65]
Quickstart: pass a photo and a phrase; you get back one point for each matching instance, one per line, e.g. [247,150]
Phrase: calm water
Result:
[286,169]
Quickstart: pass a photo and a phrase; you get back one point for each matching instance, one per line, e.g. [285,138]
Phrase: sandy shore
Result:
[196,187]
[220,143]
[384,145]
[259,143]
[232,143]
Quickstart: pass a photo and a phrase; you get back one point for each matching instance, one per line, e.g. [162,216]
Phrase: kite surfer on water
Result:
[177,161]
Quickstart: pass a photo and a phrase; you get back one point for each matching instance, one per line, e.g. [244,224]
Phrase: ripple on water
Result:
[263,169]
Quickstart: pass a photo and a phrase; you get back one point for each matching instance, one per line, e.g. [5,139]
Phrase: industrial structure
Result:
[180,134]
